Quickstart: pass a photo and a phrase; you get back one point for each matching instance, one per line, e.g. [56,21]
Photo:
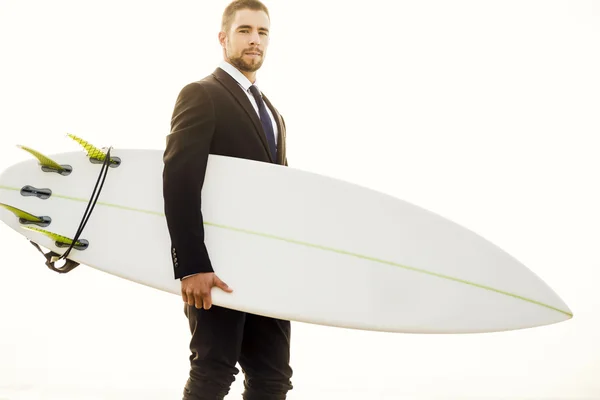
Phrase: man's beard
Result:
[242,65]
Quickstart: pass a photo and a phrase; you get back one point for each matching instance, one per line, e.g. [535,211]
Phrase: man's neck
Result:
[251,76]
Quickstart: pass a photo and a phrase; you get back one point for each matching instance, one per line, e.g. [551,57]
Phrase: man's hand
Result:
[196,289]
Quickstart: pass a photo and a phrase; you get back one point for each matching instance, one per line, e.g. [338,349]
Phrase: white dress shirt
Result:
[245,85]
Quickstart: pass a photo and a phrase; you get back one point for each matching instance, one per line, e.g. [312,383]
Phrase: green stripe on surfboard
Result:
[10,188]
[338,251]
[423,271]
[81,199]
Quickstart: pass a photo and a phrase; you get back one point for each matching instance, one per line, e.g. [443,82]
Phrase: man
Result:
[224,114]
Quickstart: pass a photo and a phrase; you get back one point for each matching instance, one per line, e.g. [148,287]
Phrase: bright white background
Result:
[486,112]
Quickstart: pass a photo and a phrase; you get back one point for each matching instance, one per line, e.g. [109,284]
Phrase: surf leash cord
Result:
[52,257]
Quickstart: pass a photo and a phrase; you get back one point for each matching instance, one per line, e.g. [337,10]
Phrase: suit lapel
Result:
[234,88]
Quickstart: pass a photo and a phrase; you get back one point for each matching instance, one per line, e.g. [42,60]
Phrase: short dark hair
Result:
[237,5]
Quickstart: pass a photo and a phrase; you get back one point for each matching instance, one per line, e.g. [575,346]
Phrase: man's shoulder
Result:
[209,82]
[205,88]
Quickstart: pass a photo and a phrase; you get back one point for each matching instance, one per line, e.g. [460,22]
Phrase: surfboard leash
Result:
[51,256]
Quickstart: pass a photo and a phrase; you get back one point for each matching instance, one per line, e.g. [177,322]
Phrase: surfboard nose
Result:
[564,306]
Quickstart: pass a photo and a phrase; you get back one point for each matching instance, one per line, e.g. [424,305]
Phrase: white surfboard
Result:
[292,245]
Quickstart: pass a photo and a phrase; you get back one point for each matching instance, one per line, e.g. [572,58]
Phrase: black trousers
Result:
[221,338]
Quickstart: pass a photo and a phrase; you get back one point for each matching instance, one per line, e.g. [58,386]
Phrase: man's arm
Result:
[185,159]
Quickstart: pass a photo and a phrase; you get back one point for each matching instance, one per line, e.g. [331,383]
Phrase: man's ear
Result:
[222,37]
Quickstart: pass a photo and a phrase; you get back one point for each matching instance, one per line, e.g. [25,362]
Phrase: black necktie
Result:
[266,120]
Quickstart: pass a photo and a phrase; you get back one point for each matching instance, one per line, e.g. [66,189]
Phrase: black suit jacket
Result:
[211,116]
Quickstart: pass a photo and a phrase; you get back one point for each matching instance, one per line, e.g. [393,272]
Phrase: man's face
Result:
[247,40]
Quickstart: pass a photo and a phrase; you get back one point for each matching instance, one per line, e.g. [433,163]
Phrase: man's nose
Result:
[255,38]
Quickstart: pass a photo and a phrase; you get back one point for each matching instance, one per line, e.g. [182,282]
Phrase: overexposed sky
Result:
[486,112]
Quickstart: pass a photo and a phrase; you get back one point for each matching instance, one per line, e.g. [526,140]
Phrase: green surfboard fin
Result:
[27,218]
[62,241]
[47,164]
[95,154]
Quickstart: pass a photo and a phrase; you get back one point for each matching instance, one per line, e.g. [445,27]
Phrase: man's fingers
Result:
[197,291]
[199,303]
[191,298]
[198,300]
[207,299]
[222,285]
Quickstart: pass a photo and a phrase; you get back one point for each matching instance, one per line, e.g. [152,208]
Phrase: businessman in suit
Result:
[225,114]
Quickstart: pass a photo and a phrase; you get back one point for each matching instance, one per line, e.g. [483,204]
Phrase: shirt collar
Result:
[237,75]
